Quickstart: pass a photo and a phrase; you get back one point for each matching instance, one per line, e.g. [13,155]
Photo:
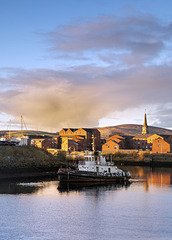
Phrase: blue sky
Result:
[85,63]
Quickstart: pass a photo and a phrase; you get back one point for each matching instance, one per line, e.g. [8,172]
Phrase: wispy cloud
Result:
[143,36]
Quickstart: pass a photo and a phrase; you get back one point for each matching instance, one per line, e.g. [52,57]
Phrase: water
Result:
[39,210]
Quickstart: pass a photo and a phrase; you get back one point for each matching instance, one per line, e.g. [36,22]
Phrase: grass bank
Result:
[27,159]
[141,159]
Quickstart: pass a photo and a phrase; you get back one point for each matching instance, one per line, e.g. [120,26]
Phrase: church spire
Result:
[145,126]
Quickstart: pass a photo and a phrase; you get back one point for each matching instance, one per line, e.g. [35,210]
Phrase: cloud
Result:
[143,36]
[82,93]
[56,99]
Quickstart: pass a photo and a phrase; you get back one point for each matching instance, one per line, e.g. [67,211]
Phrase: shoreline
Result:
[24,176]
[47,173]
[151,163]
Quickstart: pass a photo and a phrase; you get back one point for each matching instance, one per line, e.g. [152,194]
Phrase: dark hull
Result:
[90,177]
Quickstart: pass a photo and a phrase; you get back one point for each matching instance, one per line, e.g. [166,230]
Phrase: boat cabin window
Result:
[109,170]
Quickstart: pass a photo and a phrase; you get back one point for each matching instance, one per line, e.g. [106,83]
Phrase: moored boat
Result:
[94,168]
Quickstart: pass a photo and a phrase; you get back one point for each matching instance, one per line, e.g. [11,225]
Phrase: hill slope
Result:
[131,129]
[32,133]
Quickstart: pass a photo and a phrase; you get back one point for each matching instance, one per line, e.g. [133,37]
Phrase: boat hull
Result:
[90,177]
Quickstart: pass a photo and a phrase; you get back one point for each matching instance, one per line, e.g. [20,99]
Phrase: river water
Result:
[43,210]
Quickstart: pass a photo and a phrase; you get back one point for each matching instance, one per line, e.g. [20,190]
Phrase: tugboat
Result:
[94,169]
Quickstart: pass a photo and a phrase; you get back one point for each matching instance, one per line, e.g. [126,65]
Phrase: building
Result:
[86,139]
[45,143]
[144,140]
[114,143]
[111,146]
[139,142]
[153,137]
[160,146]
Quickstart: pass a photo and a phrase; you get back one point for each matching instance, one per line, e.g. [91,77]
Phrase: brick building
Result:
[111,146]
[160,146]
[114,143]
[45,143]
[86,138]
[141,142]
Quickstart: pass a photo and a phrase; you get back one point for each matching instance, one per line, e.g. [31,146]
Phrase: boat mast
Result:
[21,125]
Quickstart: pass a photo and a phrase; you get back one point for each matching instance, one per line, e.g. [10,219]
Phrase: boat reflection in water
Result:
[66,186]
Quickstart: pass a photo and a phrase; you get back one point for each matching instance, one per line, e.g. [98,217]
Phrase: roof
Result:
[75,129]
[141,136]
[113,142]
[65,129]
[116,136]
[157,135]
[77,138]
[74,142]
[116,142]
[89,129]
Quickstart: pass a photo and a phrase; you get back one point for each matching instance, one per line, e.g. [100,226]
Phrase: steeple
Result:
[145,126]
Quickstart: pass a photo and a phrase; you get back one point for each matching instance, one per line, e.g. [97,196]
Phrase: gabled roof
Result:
[63,129]
[116,142]
[90,129]
[73,142]
[116,136]
[112,142]
[115,139]
[77,137]
[141,136]
[155,135]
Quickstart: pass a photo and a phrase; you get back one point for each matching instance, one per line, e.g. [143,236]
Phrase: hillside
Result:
[32,133]
[131,129]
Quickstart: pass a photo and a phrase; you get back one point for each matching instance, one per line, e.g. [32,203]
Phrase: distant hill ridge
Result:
[124,129]
[16,133]
[131,129]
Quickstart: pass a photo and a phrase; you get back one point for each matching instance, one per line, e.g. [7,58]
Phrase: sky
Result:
[85,63]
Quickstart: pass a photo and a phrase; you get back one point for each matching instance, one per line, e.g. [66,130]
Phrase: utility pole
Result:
[9,132]
[93,143]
